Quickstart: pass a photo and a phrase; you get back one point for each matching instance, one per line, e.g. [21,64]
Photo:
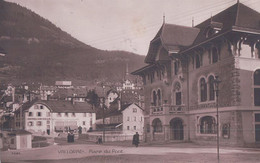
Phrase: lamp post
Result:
[216,84]
[102,103]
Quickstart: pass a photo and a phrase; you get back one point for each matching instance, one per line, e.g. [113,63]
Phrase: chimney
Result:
[119,104]
[13,94]
[119,101]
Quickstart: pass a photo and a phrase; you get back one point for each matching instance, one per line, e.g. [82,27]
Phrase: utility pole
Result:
[102,100]
[216,83]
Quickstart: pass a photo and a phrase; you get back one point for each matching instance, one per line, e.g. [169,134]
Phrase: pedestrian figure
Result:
[70,137]
[80,130]
[136,139]
[100,140]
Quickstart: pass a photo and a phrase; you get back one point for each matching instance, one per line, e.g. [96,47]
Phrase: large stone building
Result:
[183,62]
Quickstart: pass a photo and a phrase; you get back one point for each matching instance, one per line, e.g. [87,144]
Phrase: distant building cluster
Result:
[52,110]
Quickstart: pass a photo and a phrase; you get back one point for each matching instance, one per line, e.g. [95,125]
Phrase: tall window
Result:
[207,125]
[178,98]
[197,59]
[176,67]
[214,53]
[177,93]
[30,114]
[211,88]
[154,98]
[159,97]
[257,87]
[157,125]
[203,90]
[152,77]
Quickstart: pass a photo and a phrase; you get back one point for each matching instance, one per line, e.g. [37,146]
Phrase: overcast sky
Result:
[125,24]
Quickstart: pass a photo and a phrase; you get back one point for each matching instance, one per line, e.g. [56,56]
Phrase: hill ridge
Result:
[38,50]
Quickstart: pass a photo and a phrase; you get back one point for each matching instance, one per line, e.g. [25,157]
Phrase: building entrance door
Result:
[257,133]
[176,129]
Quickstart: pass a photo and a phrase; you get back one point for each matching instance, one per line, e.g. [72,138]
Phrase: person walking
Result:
[136,139]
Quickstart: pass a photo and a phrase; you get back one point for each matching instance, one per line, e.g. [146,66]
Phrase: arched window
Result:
[154,98]
[159,97]
[211,88]
[203,90]
[157,125]
[214,55]
[208,125]
[257,87]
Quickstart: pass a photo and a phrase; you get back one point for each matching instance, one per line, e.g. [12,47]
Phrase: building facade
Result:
[50,117]
[179,81]
[126,120]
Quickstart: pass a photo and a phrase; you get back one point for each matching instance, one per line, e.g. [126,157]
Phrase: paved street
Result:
[175,152]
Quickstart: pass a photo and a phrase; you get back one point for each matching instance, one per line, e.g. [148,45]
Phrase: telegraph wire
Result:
[152,25]
[179,16]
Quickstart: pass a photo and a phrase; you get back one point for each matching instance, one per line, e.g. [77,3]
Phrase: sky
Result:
[127,25]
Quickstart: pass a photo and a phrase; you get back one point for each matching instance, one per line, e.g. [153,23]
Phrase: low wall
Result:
[108,137]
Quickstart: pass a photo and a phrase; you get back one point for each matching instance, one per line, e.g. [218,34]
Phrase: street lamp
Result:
[102,104]
[216,86]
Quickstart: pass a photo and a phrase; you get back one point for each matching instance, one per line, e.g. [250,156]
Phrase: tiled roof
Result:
[67,106]
[61,106]
[118,112]
[172,37]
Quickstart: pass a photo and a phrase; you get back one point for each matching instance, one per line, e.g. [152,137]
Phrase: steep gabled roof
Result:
[172,38]
[178,39]
[236,16]
[119,112]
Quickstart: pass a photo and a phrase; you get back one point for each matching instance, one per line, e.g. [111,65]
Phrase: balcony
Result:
[167,109]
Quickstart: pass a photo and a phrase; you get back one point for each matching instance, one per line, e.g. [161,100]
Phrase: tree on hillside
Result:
[93,99]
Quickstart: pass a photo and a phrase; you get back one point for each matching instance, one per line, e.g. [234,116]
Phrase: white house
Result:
[48,117]
[133,119]
[129,119]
